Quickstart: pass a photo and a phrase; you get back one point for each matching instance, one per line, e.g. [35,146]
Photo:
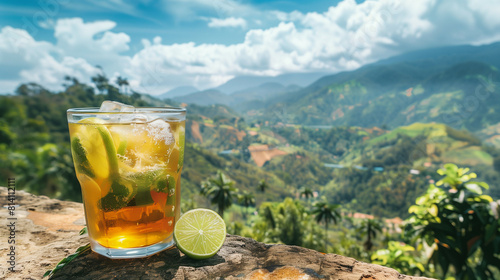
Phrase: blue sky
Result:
[160,45]
[146,19]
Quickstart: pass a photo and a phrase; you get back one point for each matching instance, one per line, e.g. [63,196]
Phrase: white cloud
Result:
[18,50]
[76,50]
[344,37]
[93,41]
[50,72]
[227,22]
[489,10]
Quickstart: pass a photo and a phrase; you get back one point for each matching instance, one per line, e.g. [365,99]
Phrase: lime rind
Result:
[109,145]
[182,144]
[200,233]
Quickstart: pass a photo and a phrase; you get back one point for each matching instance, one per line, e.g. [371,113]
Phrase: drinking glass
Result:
[129,167]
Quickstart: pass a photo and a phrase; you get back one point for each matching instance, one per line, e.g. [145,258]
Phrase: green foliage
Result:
[463,135]
[235,228]
[290,222]
[398,256]
[188,204]
[300,169]
[313,235]
[220,190]
[386,193]
[457,222]
[45,171]
[496,164]
[336,141]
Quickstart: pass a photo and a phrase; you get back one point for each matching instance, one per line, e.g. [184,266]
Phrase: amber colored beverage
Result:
[129,172]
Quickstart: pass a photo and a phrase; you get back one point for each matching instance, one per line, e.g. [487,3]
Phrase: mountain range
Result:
[455,85]
[242,83]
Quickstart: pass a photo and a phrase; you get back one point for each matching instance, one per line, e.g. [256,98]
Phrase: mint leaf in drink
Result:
[116,198]
[166,184]
[146,181]
[143,196]
[80,156]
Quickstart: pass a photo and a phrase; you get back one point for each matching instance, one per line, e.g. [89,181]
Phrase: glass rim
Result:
[141,110]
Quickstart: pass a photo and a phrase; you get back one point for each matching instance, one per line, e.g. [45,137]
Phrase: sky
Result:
[164,44]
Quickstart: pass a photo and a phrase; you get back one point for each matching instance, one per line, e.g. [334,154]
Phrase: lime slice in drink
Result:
[90,141]
[96,143]
[200,233]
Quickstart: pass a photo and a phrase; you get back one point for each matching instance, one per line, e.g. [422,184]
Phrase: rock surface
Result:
[47,231]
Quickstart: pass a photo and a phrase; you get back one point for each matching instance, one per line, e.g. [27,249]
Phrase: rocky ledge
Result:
[47,231]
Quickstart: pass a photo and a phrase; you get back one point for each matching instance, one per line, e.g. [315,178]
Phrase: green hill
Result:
[365,170]
[462,96]
[395,167]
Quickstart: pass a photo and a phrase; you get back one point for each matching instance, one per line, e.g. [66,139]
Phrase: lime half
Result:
[200,233]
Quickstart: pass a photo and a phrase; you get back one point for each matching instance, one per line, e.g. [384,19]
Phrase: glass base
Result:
[130,253]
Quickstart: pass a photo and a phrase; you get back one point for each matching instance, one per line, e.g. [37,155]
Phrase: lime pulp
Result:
[200,233]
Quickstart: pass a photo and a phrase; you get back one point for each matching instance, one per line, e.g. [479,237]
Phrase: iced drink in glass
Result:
[128,162]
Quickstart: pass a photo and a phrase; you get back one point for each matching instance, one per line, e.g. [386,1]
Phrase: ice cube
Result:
[159,130]
[133,118]
[139,118]
[117,107]
[113,106]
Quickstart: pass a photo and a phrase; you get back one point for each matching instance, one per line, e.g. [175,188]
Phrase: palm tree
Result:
[327,213]
[246,199]
[370,227]
[101,82]
[71,79]
[269,217]
[263,186]
[306,192]
[121,82]
[220,190]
